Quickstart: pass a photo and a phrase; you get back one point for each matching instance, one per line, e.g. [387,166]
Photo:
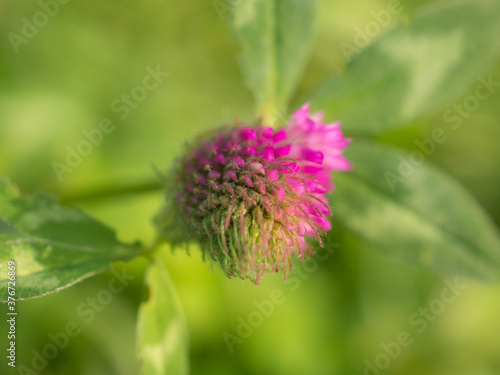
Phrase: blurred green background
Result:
[65,79]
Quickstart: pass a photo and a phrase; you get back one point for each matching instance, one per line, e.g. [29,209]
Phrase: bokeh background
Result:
[65,79]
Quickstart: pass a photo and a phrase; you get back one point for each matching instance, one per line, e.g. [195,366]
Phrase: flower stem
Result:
[111,191]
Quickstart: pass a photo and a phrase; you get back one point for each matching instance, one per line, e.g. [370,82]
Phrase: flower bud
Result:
[253,195]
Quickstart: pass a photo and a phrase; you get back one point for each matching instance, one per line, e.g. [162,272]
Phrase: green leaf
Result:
[415,69]
[415,213]
[161,328]
[53,247]
[274,36]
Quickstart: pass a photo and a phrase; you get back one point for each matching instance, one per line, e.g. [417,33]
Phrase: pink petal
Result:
[312,156]
[282,151]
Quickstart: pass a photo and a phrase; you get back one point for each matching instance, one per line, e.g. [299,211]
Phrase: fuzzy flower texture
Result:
[253,195]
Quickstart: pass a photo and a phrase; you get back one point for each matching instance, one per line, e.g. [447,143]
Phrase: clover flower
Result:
[252,195]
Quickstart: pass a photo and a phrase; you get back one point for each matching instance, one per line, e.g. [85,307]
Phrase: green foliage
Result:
[422,217]
[162,334]
[415,213]
[414,69]
[53,247]
[274,37]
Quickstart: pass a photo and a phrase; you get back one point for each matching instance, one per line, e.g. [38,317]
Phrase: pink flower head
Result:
[253,195]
